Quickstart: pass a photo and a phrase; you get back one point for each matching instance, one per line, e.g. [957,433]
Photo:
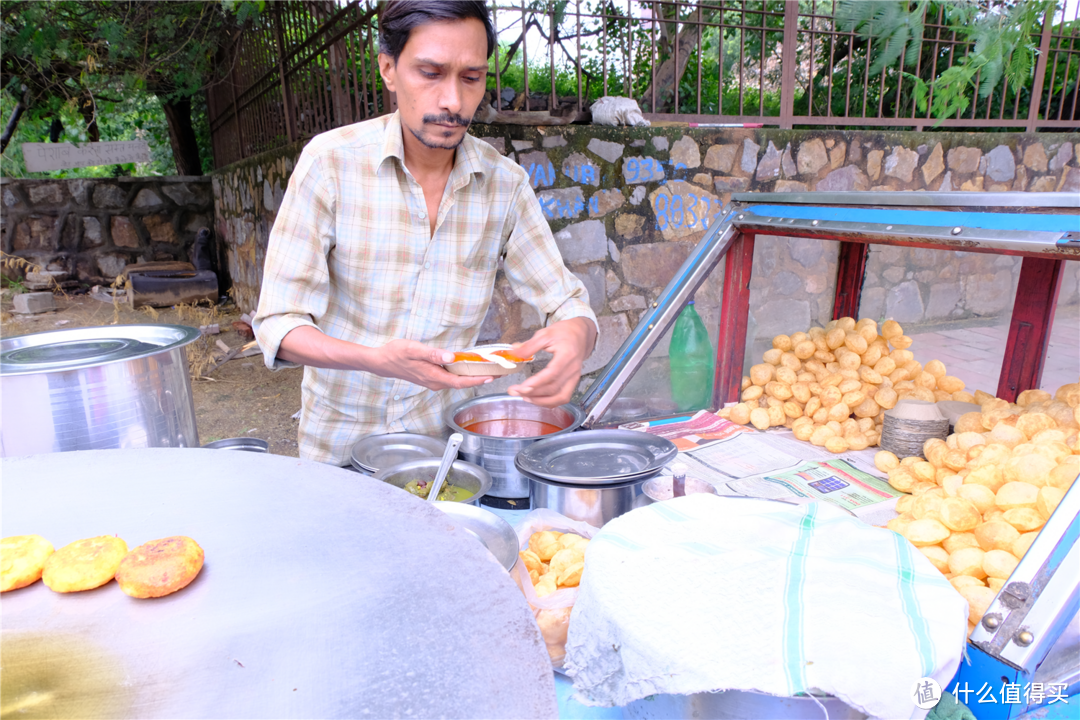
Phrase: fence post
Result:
[788,62]
[235,106]
[1040,71]
[286,96]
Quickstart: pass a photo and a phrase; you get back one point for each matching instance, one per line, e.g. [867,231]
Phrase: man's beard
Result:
[443,119]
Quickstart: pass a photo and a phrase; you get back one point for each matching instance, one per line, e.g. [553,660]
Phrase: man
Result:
[384,252]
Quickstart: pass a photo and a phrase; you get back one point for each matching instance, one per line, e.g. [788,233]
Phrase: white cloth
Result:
[708,593]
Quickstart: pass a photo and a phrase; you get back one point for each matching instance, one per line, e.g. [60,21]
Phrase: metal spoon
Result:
[444,467]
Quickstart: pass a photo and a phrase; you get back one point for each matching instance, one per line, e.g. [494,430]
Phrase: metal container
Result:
[495,533]
[463,474]
[241,443]
[496,454]
[660,489]
[740,705]
[593,504]
[372,453]
[121,386]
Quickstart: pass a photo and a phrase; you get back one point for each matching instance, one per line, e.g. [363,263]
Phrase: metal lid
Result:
[596,457]
[87,347]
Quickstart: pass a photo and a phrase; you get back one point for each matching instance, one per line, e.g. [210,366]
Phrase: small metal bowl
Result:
[495,533]
[659,488]
[372,453]
[463,474]
[245,444]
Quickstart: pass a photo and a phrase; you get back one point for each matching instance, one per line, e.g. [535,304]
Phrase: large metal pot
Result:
[593,504]
[740,705]
[122,386]
[496,453]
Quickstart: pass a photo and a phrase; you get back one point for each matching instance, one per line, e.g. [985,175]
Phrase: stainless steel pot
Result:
[121,386]
[496,454]
[594,504]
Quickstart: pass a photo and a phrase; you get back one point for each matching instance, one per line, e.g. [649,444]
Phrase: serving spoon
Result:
[444,467]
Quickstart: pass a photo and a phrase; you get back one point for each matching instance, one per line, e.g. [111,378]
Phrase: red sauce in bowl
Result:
[510,428]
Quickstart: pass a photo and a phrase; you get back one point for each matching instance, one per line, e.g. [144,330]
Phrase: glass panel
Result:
[955,306]
[791,290]
[649,392]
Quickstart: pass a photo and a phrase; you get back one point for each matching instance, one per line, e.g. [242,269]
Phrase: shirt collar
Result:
[466,160]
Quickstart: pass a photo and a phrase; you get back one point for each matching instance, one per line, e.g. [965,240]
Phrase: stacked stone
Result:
[93,229]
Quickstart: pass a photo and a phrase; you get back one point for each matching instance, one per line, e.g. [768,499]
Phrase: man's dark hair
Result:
[397,18]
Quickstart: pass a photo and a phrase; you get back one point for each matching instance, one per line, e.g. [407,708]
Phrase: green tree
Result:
[1003,41]
[65,57]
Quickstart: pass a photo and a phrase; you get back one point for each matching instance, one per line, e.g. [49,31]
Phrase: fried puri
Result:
[22,558]
[84,564]
[160,567]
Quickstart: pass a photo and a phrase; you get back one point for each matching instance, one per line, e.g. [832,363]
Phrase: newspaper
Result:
[688,433]
[775,465]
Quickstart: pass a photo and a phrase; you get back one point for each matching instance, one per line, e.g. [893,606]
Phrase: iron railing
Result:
[307,66]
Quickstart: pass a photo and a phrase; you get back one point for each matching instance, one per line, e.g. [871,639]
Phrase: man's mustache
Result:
[446,119]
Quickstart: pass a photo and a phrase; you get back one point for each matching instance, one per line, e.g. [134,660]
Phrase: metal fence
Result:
[307,66]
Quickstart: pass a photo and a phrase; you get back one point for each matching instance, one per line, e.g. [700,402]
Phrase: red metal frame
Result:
[734,316]
[849,279]
[1029,330]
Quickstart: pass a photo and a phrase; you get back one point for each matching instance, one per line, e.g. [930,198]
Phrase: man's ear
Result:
[388,70]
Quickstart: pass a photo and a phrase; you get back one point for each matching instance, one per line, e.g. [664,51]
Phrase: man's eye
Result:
[427,74]
[472,79]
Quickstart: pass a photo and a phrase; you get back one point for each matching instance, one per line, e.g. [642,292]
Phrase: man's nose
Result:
[450,101]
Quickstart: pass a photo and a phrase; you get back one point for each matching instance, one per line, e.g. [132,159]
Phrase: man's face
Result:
[439,78]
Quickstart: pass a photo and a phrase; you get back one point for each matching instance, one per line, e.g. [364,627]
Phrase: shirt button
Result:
[397,397]
[427,266]
[422,215]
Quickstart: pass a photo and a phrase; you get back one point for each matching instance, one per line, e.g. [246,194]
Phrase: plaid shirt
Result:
[352,253]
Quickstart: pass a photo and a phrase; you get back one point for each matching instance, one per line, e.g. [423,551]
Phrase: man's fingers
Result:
[440,357]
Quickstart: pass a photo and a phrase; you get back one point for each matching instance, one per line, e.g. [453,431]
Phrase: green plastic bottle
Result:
[691,360]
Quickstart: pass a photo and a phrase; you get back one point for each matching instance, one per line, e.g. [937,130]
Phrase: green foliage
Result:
[1002,39]
[137,117]
[899,25]
[76,60]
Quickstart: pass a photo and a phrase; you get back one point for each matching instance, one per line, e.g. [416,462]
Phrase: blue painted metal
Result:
[985,677]
[988,221]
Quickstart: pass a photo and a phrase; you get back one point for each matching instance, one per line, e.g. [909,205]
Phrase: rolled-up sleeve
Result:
[535,268]
[296,279]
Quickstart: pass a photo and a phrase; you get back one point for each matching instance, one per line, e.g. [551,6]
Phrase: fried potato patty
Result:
[22,558]
[160,567]
[84,564]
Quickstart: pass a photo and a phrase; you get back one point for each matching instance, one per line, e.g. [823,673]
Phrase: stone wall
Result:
[93,228]
[246,198]
[628,204]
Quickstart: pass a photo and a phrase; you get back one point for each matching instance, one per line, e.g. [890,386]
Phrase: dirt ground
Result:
[241,398]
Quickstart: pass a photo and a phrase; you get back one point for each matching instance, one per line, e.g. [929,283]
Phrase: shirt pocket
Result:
[469,297]
[471,280]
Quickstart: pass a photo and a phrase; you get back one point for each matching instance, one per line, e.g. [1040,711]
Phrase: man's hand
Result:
[420,364]
[569,342]
[401,359]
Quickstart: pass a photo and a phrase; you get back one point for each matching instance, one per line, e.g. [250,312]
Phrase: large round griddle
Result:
[324,594]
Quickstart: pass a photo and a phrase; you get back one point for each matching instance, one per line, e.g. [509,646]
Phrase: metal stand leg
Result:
[734,313]
[849,279]
[1029,331]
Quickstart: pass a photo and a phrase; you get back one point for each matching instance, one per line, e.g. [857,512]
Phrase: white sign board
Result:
[42,157]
